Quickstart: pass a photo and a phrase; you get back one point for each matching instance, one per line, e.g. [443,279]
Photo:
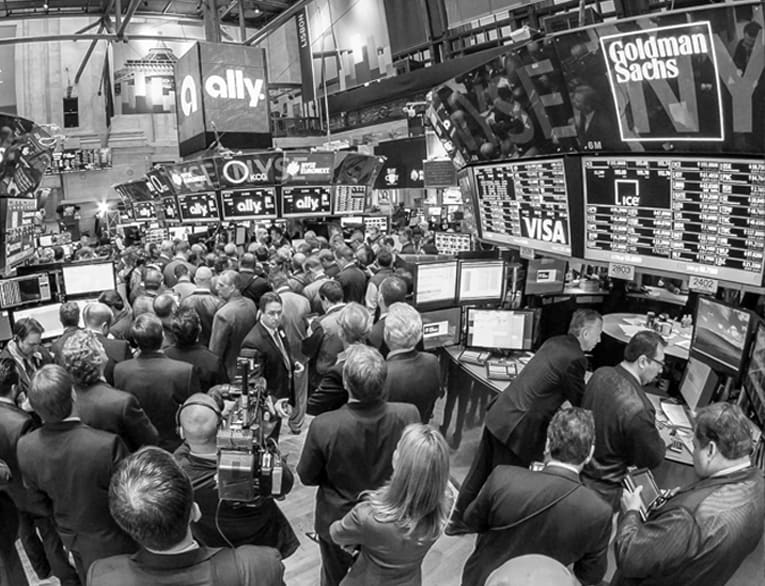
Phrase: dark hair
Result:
[261,253]
[581,319]
[58,253]
[186,327]
[384,258]
[146,332]
[112,299]
[180,270]
[332,291]
[752,28]
[727,426]
[165,305]
[152,280]
[50,393]
[269,297]
[571,434]
[344,252]
[9,376]
[644,343]
[150,498]
[393,290]
[364,373]
[248,261]
[69,314]
[27,326]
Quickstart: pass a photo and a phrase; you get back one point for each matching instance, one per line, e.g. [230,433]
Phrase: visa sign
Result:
[234,86]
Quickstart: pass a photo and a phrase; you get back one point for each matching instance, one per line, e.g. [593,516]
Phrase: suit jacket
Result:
[520,416]
[376,337]
[206,305]
[414,377]
[57,346]
[116,351]
[574,530]
[67,467]
[698,538]
[14,423]
[324,344]
[161,385]
[311,292]
[253,286]
[330,394]
[279,379]
[231,325]
[295,309]
[121,323]
[354,283]
[209,368]
[104,407]
[247,565]
[362,434]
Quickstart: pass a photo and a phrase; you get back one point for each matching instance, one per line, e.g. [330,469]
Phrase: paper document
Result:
[630,331]
[685,344]
[676,415]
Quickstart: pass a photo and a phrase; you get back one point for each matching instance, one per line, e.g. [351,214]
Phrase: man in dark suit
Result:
[232,322]
[703,533]
[351,276]
[99,404]
[350,450]
[251,285]
[550,512]
[151,497]
[323,343]
[384,261]
[16,521]
[97,318]
[69,316]
[160,383]
[392,290]
[514,432]
[413,377]
[204,302]
[186,327]
[66,466]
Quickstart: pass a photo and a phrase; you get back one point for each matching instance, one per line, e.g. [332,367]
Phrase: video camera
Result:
[249,463]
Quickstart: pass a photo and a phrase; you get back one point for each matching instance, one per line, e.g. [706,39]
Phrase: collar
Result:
[70,418]
[173,561]
[283,289]
[393,353]
[190,547]
[563,465]
[152,354]
[624,366]
[8,401]
[334,308]
[201,291]
[382,316]
[273,333]
[732,469]
[247,271]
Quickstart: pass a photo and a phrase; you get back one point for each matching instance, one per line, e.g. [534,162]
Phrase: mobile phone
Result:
[650,492]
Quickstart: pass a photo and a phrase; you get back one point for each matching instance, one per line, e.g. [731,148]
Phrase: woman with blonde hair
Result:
[395,525]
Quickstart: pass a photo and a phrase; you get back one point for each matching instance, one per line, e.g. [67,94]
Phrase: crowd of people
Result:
[109,457]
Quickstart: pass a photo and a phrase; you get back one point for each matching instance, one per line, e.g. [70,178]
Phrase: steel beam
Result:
[90,26]
[274,24]
[86,57]
[134,4]
[88,37]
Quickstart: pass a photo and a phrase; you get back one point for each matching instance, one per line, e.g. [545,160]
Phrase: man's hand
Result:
[631,500]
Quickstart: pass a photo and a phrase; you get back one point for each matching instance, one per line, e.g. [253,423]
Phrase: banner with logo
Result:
[199,208]
[242,171]
[248,204]
[159,182]
[225,87]
[306,56]
[193,176]
[313,200]
[308,168]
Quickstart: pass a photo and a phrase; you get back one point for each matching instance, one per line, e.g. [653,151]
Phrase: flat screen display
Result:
[545,276]
[257,203]
[698,384]
[496,328]
[19,230]
[435,283]
[88,278]
[47,315]
[169,205]
[720,334]
[524,204]
[6,329]
[441,327]
[313,200]
[482,280]
[694,216]
[754,380]
[144,211]
[199,207]
[349,199]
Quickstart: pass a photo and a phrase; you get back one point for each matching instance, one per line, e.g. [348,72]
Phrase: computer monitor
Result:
[6,329]
[500,329]
[720,335]
[47,315]
[89,278]
[435,284]
[698,384]
[754,378]
[545,276]
[481,281]
[441,327]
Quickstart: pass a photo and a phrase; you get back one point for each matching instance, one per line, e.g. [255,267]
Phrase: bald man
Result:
[204,302]
[165,307]
[97,317]
[259,524]
[145,293]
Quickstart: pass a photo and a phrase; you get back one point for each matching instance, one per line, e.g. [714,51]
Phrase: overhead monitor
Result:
[720,335]
[698,384]
[305,201]
[702,216]
[441,327]
[257,203]
[25,290]
[47,315]
[500,329]
[349,199]
[199,208]
[545,276]
[89,278]
[481,281]
[435,284]
[754,379]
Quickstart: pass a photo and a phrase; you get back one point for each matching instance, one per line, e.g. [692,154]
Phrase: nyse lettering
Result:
[546,229]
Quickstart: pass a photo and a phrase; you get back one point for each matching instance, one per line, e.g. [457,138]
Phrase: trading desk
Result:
[622,326]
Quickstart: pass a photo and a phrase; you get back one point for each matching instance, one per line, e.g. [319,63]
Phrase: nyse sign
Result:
[249,204]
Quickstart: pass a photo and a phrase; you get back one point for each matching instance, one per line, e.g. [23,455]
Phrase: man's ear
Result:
[196,513]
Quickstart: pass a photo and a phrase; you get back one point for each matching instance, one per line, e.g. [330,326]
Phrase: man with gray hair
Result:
[204,302]
[350,450]
[413,377]
[232,322]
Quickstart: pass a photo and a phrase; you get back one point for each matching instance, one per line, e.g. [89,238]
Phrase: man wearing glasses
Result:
[625,428]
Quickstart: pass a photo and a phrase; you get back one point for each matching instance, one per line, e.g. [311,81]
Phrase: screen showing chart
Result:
[494,328]
[481,281]
[350,199]
[524,204]
[693,216]
[435,283]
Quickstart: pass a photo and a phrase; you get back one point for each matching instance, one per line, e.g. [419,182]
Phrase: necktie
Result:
[283,351]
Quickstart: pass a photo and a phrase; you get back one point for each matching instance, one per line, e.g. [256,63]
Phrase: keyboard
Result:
[475,357]
[505,371]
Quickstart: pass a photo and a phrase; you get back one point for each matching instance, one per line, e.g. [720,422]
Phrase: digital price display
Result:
[350,199]
[144,211]
[524,204]
[300,202]
[19,229]
[695,216]
[170,209]
[199,207]
[248,204]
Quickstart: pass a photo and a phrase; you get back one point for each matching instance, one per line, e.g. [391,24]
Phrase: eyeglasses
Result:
[659,362]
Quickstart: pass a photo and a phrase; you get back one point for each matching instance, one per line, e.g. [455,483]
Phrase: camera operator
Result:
[224,522]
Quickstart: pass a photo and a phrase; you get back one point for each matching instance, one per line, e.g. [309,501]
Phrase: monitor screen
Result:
[720,334]
[496,328]
[6,330]
[481,281]
[698,384]
[47,315]
[88,278]
[441,328]
[754,379]
[545,276]
[435,283]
